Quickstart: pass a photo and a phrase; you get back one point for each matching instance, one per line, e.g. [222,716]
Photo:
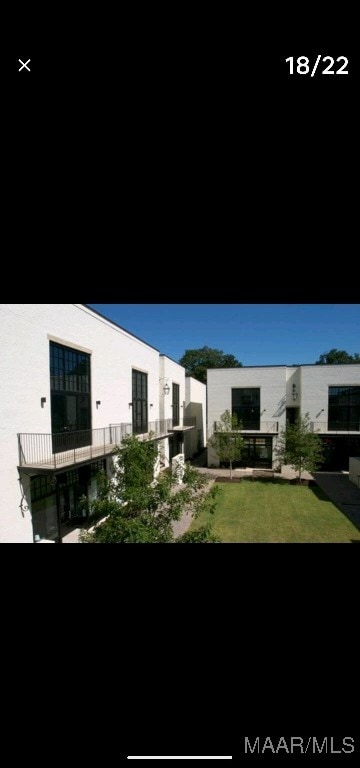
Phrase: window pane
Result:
[140,404]
[246,406]
[344,409]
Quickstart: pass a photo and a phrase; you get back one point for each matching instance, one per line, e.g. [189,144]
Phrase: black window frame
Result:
[176,404]
[41,486]
[247,412]
[344,408]
[65,369]
[140,410]
[70,379]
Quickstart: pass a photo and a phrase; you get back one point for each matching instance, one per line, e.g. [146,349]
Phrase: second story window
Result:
[246,405]
[344,409]
[140,402]
[70,392]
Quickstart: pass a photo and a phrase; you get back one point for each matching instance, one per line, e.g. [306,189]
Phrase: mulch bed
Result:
[296,481]
[222,479]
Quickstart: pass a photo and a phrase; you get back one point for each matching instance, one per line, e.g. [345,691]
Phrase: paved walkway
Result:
[342,492]
[181,526]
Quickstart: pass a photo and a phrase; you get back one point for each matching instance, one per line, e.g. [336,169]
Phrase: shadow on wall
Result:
[196,436]
[281,408]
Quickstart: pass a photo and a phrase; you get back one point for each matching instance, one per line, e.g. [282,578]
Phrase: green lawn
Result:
[255,511]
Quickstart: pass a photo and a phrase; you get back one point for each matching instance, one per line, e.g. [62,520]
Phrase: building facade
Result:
[74,384]
[266,398]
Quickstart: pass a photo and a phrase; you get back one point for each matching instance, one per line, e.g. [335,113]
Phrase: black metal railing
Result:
[66,448]
[56,450]
[271,427]
[335,426]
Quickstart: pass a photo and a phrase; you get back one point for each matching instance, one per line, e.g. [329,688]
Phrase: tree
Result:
[196,361]
[299,447]
[337,357]
[226,439]
[135,508]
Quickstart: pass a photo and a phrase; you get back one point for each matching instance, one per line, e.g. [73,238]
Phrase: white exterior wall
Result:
[276,384]
[195,407]
[171,373]
[293,387]
[272,384]
[315,383]
[354,470]
[25,332]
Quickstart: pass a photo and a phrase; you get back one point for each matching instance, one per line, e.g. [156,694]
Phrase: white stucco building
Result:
[73,384]
[265,398]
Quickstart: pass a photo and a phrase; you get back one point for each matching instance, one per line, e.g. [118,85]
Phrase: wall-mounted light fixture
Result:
[130,405]
[151,405]
[166,388]
[98,402]
[43,401]
[295,394]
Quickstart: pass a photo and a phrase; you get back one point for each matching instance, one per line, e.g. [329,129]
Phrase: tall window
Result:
[344,409]
[140,402]
[70,389]
[176,404]
[246,406]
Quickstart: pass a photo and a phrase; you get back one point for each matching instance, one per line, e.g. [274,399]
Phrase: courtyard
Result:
[277,512]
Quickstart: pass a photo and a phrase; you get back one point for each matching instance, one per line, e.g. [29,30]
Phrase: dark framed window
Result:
[246,406]
[140,402]
[70,394]
[41,487]
[176,404]
[257,452]
[344,409]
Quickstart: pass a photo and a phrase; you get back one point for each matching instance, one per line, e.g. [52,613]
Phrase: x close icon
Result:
[24,65]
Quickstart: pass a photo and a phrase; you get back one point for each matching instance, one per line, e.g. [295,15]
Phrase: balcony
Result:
[266,427]
[47,452]
[338,428]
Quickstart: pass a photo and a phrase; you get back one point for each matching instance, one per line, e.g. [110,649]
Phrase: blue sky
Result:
[257,334]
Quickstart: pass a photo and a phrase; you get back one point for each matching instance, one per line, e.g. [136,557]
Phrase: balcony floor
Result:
[71,458]
[86,454]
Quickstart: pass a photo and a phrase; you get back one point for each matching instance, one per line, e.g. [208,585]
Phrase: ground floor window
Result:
[175,446]
[58,502]
[257,452]
[44,509]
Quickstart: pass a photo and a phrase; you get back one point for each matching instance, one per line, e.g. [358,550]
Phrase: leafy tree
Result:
[299,447]
[134,508]
[196,361]
[226,439]
[337,357]
[202,535]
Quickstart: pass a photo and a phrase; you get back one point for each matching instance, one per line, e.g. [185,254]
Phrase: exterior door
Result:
[71,421]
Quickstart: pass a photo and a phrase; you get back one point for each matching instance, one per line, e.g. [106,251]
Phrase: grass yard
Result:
[256,511]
